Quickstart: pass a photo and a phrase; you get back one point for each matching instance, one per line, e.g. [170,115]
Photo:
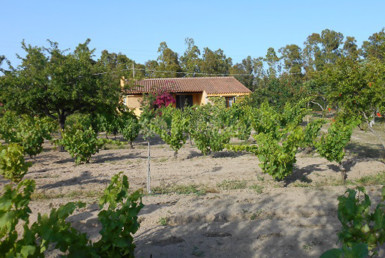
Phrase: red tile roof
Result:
[212,85]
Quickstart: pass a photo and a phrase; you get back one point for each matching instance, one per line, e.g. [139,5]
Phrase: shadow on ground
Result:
[233,227]
[85,178]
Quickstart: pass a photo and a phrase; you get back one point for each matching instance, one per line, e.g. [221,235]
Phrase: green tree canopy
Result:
[54,83]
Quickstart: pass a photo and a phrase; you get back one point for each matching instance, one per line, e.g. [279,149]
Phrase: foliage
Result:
[311,132]
[131,128]
[27,131]
[356,251]
[278,138]
[332,145]
[208,131]
[118,218]
[81,144]
[8,124]
[362,228]
[81,121]
[12,164]
[172,126]
[54,83]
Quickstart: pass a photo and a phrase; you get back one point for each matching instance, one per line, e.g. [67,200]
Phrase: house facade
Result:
[186,91]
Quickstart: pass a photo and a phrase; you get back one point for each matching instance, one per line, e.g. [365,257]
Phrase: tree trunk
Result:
[343,173]
[148,169]
[62,121]
[175,154]
[131,145]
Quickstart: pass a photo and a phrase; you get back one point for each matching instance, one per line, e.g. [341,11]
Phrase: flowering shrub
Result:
[164,99]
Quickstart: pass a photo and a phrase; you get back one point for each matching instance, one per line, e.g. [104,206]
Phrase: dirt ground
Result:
[212,206]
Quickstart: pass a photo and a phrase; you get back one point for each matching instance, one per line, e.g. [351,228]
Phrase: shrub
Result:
[81,144]
[363,230]
[12,164]
[119,219]
[130,129]
[27,131]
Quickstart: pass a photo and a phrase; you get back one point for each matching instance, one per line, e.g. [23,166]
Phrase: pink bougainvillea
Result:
[164,99]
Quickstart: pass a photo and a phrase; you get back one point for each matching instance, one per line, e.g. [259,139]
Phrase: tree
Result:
[273,62]
[215,62]
[246,69]
[375,46]
[292,58]
[168,61]
[52,83]
[350,48]
[190,60]
[120,65]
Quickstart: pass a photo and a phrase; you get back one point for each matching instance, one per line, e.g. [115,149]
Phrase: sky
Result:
[136,28]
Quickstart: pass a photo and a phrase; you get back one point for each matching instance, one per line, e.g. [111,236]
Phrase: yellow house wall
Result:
[204,98]
[133,102]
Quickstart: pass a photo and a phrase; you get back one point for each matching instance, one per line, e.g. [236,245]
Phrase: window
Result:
[230,101]
[183,101]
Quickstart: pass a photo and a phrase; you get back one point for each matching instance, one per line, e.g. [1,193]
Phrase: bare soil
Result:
[237,212]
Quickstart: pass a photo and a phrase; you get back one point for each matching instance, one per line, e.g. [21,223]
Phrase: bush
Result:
[81,144]
[27,131]
[118,216]
[363,231]
[12,164]
[130,129]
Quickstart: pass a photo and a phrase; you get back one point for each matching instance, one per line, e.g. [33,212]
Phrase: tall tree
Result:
[292,58]
[151,67]
[350,48]
[215,62]
[375,46]
[244,72]
[168,62]
[190,61]
[272,61]
[52,83]
[331,42]
[120,65]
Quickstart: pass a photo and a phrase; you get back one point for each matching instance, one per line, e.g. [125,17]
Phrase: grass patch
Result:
[163,221]
[301,184]
[182,189]
[71,195]
[378,179]
[232,184]
[257,188]
[160,160]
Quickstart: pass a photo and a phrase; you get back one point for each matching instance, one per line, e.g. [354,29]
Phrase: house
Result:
[186,91]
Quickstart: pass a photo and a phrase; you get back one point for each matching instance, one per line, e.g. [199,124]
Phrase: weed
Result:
[180,189]
[232,184]
[163,221]
[256,215]
[301,184]
[72,195]
[307,247]
[378,179]
[160,160]
[260,178]
[257,188]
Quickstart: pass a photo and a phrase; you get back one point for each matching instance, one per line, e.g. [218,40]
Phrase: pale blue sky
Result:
[136,28]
